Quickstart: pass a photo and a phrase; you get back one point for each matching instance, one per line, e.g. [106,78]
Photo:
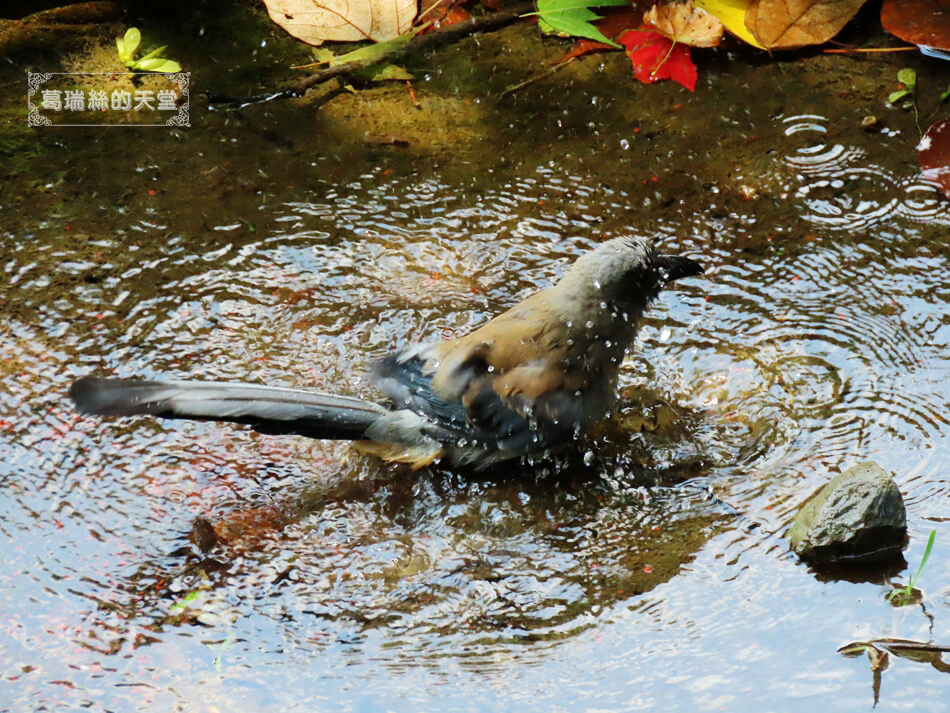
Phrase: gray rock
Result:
[857,517]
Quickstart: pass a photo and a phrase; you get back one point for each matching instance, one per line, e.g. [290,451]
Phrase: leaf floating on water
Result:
[655,56]
[908,78]
[684,22]
[783,24]
[615,22]
[731,13]
[574,17]
[373,53]
[933,152]
[316,21]
[878,658]
[384,73]
[922,22]
[442,13]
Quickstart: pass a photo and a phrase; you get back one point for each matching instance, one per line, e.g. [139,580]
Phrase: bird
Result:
[531,380]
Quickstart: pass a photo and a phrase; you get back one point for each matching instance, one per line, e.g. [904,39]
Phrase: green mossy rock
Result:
[858,517]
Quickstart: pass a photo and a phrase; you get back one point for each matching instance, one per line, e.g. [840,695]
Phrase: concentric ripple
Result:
[841,189]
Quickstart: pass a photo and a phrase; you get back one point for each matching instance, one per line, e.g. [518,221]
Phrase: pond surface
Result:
[645,570]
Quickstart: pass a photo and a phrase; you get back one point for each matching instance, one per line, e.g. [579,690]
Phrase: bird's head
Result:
[628,272]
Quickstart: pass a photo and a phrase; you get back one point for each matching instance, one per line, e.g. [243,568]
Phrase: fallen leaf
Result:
[373,52]
[685,23]
[879,659]
[655,56]
[441,13]
[583,46]
[316,21]
[616,21]
[574,17]
[782,24]
[384,73]
[250,524]
[933,152]
[731,13]
[922,22]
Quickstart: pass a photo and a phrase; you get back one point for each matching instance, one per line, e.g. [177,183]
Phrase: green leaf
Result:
[383,73]
[923,560]
[154,53]
[322,54]
[158,64]
[894,97]
[945,95]
[131,40]
[908,78]
[374,52]
[574,17]
[169,66]
[185,601]
[852,650]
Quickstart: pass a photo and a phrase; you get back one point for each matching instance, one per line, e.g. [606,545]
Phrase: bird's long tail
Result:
[266,409]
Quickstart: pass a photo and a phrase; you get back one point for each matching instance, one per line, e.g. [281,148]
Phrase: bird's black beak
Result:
[673,267]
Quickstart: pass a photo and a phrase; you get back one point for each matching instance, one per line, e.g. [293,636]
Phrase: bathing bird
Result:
[529,381]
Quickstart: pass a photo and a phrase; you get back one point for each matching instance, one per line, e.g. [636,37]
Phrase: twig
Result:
[530,80]
[487,23]
[915,48]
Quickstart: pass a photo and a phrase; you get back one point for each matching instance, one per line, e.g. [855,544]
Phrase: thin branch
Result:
[915,48]
[452,33]
[531,80]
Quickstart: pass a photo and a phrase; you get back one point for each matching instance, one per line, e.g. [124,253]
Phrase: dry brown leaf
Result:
[685,23]
[923,22]
[315,21]
[780,24]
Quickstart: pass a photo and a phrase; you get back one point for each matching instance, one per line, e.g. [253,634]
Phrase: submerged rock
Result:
[857,517]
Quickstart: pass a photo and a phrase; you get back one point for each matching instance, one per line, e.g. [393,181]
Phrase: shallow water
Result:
[646,570]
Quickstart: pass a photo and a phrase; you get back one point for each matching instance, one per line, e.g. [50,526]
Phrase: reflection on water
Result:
[646,570]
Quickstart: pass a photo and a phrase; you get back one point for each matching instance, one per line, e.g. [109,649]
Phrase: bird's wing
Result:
[480,417]
[404,378]
[508,384]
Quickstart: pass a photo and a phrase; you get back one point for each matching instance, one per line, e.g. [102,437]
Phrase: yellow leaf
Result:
[732,14]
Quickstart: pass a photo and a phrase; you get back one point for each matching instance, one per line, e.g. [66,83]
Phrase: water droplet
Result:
[588,457]
[624,144]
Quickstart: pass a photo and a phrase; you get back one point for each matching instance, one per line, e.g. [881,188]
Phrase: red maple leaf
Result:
[615,21]
[655,56]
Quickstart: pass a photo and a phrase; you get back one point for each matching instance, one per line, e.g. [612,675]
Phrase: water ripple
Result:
[840,189]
